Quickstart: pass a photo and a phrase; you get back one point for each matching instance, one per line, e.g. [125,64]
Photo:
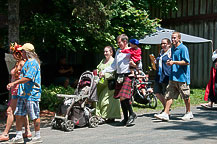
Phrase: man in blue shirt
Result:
[179,78]
[29,93]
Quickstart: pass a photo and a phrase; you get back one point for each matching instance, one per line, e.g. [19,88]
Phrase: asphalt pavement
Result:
[147,130]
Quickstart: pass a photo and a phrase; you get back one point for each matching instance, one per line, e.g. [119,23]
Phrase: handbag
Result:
[111,84]
[120,78]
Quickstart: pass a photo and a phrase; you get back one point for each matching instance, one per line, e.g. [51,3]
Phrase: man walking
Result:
[179,78]
[29,93]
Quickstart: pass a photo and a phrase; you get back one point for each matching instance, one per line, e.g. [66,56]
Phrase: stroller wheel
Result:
[69,125]
[58,124]
[93,122]
[53,124]
[152,101]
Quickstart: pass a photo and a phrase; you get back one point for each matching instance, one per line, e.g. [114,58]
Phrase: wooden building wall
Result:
[198,18]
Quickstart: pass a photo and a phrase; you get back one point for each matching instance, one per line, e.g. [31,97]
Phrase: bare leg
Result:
[37,124]
[19,122]
[187,104]
[10,116]
[144,92]
[162,99]
[122,98]
[131,73]
[168,105]
[27,128]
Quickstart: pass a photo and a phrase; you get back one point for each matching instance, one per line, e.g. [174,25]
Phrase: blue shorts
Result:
[27,107]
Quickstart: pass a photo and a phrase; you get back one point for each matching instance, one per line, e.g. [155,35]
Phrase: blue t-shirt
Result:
[30,90]
[180,73]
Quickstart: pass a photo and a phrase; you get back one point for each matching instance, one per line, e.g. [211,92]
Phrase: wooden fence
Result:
[198,18]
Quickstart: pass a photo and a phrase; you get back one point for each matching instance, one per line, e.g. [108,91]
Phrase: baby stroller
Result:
[76,109]
[149,98]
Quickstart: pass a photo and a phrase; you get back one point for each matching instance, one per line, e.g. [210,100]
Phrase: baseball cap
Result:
[27,47]
[134,41]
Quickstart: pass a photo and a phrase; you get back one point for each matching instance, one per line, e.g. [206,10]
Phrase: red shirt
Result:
[135,53]
[211,83]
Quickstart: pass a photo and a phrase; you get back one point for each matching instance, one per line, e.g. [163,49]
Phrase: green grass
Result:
[196,96]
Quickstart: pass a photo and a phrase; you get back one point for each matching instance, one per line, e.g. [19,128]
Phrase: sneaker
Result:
[131,119]
[36,140]
[188,116]
[163,116]
[16,140]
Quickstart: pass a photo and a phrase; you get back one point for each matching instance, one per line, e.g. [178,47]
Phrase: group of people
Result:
[25,89]
[125,60]
[172,78]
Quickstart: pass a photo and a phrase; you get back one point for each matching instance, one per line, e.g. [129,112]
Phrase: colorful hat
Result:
[14,47]
[134,41]
[27,47]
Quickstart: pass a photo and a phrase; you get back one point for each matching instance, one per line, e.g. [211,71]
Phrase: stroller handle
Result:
[67,96]
[73,96]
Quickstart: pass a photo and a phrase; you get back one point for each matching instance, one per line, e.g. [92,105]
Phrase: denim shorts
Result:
[25,107]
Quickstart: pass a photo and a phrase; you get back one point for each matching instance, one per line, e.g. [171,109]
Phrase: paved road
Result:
[147,129]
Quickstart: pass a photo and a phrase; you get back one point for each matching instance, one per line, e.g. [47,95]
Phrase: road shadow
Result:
[203,126]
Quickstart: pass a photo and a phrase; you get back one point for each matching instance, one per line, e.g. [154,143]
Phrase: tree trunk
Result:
[13,21]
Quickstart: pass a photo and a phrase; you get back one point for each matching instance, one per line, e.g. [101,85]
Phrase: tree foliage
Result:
[164,5]
[81,25]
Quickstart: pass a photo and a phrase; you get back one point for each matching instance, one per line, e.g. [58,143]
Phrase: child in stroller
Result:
[142,90]
[143,87]
[76,109]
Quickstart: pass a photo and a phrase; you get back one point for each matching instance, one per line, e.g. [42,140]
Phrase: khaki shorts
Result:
[175,88]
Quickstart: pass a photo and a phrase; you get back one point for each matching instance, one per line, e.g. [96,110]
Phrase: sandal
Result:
[206,105]
[4,137]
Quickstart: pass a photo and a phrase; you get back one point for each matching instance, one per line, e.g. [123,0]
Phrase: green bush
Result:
[49,99]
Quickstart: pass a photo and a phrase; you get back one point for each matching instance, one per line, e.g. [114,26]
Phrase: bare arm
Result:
[63,71]
[171,62]
[22,80]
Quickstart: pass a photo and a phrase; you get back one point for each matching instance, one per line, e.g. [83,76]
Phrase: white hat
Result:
[27,47]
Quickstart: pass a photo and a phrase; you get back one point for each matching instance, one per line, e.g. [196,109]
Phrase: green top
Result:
[107,106]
